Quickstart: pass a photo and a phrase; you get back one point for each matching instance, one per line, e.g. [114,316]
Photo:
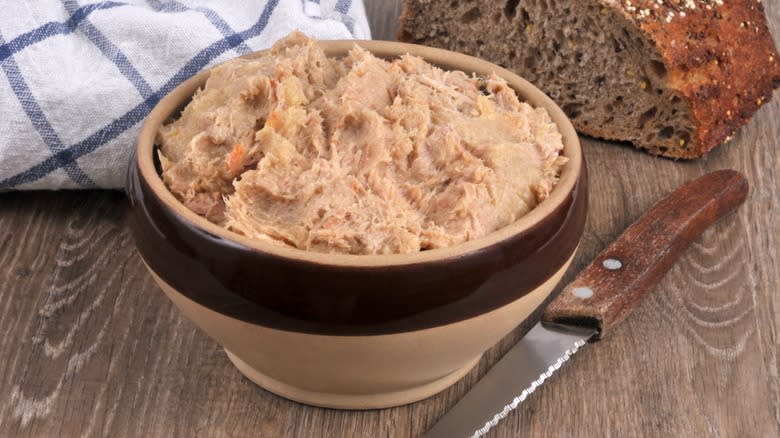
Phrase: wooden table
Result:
[91,347]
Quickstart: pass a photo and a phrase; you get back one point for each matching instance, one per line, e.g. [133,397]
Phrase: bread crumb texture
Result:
[674,77]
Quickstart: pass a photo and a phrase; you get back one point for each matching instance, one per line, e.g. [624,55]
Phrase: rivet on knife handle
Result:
[608,289]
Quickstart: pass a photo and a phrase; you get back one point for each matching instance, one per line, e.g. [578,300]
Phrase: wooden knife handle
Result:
[615,282]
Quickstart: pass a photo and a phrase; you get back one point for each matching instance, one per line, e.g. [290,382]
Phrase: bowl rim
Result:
[527,92]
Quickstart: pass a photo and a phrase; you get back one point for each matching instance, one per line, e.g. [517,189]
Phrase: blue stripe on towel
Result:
[110,51]
[134,116]
[40,122]
[51,28]
[214,18]
[342,7]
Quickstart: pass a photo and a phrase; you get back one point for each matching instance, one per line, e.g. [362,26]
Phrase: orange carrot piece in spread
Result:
[274,121]
[236,159]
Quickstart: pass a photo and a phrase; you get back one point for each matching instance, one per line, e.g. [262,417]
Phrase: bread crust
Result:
[719,58]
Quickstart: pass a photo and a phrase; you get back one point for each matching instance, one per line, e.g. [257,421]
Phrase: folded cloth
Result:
[79,77]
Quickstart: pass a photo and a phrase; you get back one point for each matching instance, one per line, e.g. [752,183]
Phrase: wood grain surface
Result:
[91,347]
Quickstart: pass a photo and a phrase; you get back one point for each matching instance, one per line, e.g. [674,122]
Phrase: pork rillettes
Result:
[357,155]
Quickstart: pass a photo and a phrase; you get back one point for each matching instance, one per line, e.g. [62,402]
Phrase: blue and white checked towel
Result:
[79,77]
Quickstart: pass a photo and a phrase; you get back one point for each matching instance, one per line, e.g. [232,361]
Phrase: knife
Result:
[601,296]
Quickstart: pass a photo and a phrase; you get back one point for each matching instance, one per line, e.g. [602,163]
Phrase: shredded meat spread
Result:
[357,155]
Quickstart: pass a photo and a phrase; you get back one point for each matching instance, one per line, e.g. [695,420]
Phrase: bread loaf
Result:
[675,77]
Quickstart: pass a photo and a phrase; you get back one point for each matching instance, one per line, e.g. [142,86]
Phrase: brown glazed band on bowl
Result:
[353,295]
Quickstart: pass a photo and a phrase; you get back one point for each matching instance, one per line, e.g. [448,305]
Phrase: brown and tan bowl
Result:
[356,331]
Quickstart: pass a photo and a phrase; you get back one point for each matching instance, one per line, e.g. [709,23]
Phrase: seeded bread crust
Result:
[712,62]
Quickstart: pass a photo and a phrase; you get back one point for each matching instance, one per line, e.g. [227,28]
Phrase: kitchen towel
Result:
[78,77]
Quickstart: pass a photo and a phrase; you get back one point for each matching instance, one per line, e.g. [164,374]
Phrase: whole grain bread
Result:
[675,77]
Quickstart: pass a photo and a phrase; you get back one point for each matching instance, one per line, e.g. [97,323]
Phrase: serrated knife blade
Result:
[529,363]
[598,299]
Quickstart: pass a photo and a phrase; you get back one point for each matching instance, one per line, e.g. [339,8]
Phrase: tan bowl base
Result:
[350,401]
[359,372]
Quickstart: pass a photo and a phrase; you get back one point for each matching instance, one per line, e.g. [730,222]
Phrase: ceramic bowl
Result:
[355,331]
